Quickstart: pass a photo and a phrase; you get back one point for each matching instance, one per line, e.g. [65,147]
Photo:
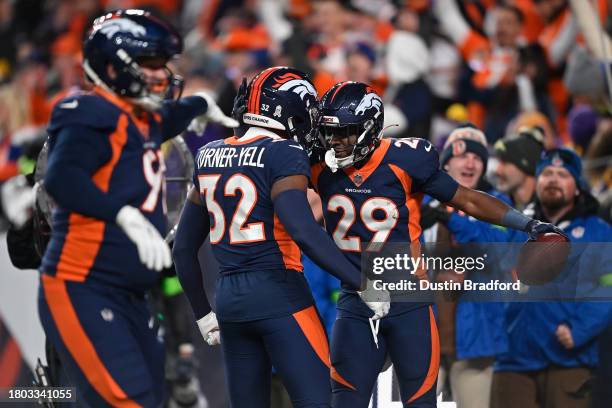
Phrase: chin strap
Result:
[335,163]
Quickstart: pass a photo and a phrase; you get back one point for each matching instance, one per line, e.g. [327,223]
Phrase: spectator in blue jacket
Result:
[474,330]
[552,345]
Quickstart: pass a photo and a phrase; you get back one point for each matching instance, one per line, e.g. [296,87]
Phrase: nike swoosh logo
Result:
[428,147]
[70,105]
[297,147]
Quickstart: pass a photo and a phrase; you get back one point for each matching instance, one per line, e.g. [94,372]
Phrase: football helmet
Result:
[350,108]
[125,39]
[280,98]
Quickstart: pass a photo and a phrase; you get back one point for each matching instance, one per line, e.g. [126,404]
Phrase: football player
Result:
[371,189]
[250,199]
[105,172]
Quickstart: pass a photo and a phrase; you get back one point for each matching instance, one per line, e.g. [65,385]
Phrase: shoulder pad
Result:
[86,110]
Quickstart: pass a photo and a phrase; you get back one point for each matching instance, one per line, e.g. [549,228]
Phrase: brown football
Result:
[541,261]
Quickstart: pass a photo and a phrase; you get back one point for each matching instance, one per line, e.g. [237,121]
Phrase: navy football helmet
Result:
[280,98]
[351,109]
[125,39]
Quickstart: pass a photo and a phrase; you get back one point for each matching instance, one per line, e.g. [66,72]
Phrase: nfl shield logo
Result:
[357,179]
[556,161]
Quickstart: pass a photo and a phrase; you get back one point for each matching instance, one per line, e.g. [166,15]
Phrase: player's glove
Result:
[432,213]
[209,327]
[379,301]
[213,114]
[152,249]
[536,228]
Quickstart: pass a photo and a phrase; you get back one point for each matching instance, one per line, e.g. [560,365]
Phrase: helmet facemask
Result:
[366,137]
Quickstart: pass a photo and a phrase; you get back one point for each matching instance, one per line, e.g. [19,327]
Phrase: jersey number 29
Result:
[380,227]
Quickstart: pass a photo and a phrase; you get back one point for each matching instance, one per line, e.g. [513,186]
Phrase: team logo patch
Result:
[556,161]
[278,111]
[578,232]
[459,148]
[110,27]
[295,83]
[369,101]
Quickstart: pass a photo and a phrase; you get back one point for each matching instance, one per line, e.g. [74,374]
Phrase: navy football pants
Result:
[106,347]
[297,347]
[409,339]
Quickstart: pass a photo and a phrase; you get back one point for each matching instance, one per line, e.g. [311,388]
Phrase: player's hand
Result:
[213,114]
[536,228]
[152,249]
[432,213]
[564,336]
[379,301]
[209,328]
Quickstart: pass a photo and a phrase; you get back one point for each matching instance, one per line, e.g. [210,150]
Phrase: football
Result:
[541,261]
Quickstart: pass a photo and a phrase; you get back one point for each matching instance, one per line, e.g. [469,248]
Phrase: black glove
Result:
[432,213]
[240,102]
[536,228]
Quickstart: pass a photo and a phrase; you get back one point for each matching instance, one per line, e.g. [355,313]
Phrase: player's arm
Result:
[193,112]
[487,208]
[430,179]
[78,152]
[192,230]
[294,212]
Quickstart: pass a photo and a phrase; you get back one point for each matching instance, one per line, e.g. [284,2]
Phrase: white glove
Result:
[209,327]
[213,114]
[152,249]
[379,301]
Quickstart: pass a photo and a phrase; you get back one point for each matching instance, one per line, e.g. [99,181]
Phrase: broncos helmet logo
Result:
[295,83]
[111,27]
[369,100]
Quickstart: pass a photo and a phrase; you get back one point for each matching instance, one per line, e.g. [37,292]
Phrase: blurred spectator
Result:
[599,170]
[517,160]
[407,62]
[552,345]
[471,332]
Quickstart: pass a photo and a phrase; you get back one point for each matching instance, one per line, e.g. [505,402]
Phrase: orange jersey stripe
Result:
[311,326]
[434,362]
[10,364]
[236,142]
[315,172]
[80,346]
[413,202]
[289,249]
[85,234]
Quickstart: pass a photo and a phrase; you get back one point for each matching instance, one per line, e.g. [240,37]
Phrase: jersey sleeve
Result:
[75,154]
[176,115]
[419,158]
[286,158]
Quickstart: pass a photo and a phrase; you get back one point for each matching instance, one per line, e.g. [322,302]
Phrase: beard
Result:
[553,199]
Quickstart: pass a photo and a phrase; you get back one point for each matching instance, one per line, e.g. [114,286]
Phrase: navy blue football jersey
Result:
[122,151]
[366,207]
[259,263]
